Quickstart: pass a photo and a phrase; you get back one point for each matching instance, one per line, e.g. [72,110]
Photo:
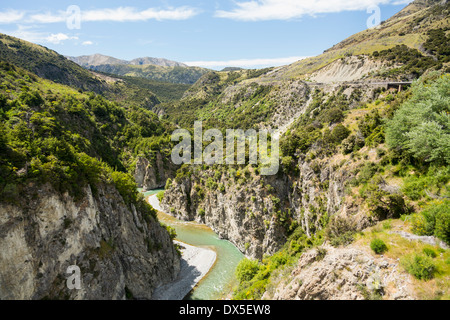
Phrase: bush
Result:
[429,252]
[168,184]
[435,220]
[340,231]
[378,246]
[160,195]
[246,270]
[421,267]
[442,228]
[382,204]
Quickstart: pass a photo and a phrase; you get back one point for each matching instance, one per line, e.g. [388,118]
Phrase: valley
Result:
[358,210]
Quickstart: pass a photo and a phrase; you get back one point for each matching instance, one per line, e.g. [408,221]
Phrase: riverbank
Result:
[196,262]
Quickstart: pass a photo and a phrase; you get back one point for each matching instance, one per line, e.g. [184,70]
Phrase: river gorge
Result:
[218,282]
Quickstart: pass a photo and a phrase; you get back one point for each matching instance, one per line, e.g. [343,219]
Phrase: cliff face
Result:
[256,213]
[244,218]
[120,252]
[153,174]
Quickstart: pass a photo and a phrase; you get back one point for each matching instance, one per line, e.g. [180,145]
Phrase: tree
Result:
[421,127]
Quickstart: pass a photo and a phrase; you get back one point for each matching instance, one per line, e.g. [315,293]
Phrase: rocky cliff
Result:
[257,213]
[121,253]
[343,274]
[153,174]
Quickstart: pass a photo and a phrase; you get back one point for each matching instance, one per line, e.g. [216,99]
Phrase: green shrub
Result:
[340,231]
[211,184]
[442,228]
[246,270]
[421,267]
[429,252]
[378,246]
[160,195]
[168,184]
[435,220]
[419,127]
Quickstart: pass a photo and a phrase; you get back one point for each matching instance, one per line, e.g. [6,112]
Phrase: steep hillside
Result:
[52,66]
[408,27]
[357,149]
[67,195]
[401,49]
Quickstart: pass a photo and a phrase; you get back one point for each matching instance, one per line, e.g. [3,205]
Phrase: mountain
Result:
[95,60]
[409,27]
[364,166]
[99,59]
[52,66]
[67,161]
[359,208]
[150,68]
[401,49]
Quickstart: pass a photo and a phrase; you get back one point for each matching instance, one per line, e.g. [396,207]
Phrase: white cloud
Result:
[87,43]
[121,14]
[245,63]
[47,17]
[57,38]
[26,33]
[257,10]
[11,16]
[30,34]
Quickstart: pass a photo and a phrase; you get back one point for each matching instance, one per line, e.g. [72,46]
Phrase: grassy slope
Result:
[50,65]
[407,27]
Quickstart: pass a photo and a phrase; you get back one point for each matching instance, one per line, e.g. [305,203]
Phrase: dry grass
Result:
[398,247]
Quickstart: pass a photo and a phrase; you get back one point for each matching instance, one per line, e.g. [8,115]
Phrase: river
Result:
[218,283]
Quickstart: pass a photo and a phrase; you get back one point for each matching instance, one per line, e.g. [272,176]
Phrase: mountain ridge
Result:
[98,59]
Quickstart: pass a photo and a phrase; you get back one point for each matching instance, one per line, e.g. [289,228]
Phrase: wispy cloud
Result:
[259,10]
[87,43]
[30,33]
[120,14]
[123,14]
[245,63]
[11,16]
[57,38]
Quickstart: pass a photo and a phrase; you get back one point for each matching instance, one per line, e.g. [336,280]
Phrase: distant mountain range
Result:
[96,60]
[149,68]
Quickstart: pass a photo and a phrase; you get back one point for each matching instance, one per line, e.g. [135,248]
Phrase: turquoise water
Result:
[220,280]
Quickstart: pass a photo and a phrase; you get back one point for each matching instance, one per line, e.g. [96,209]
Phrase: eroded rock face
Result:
[343,274]
[120,252]
[256,215]
[153,174]
[244,218]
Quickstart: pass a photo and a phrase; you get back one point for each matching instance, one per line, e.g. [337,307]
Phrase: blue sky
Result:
[213,34]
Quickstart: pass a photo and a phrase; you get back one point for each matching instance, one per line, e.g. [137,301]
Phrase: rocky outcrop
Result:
[257,213]
[348,273]
[121,252]
[247,219]
[153,174]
